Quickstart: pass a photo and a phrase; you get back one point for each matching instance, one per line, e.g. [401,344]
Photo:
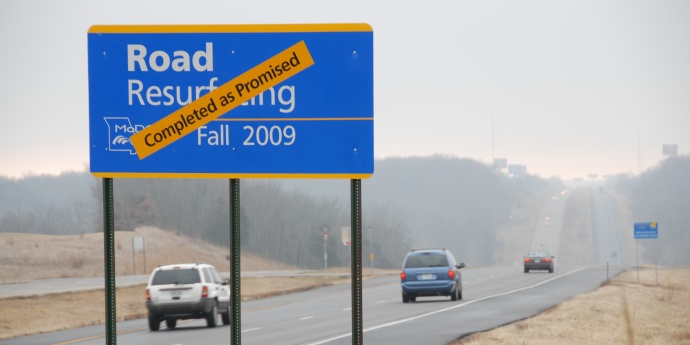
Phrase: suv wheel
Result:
[454,294]
[154,322]
[405,298]
[226,317]
[171,323]
[212,317]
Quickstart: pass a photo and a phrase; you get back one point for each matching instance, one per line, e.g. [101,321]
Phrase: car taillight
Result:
[402,275]
[547,260]
[148,295]
[204,291]
[527,260]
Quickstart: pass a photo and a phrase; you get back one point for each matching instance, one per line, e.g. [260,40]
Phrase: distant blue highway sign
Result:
[646,230]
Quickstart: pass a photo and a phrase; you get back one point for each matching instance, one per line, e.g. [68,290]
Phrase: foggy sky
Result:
[567,88]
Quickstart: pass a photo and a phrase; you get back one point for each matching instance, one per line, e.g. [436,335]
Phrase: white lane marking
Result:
[306,318]
[251,329]
[347,309]
[449,308]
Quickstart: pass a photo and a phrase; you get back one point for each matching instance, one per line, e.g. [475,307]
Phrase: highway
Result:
[547,234]
[493,296]
[609,245]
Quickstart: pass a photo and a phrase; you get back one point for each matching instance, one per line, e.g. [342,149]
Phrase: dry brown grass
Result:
[27,257]
[620,312]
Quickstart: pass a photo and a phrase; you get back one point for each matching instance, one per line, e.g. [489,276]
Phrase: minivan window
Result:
[451,258]
[176,276]
[426,260]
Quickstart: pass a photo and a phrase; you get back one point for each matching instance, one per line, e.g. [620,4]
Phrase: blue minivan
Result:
[430,272]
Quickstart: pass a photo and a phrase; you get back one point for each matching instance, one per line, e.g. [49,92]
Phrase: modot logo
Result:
[119,131]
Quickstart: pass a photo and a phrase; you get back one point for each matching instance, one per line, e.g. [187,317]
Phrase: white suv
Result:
[187,291]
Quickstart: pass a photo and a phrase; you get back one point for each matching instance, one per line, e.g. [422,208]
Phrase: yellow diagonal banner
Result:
[221,100]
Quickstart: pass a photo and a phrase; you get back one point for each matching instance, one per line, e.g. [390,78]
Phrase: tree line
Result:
[408,203]
[277,224]
[662,194]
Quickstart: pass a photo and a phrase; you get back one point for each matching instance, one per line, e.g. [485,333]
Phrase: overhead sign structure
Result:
[231,101]
[646,230]
[669,149]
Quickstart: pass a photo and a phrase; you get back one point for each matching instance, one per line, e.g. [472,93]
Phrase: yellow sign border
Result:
[234,28]
[230,175]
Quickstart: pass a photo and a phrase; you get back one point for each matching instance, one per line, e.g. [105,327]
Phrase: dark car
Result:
[538,260]
[430,272]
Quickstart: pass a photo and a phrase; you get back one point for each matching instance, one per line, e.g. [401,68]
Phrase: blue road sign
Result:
[646,230]
[318,123]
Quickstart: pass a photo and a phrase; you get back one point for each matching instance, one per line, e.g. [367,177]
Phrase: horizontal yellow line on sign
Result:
[300,119]
[229,175]
[229,28]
